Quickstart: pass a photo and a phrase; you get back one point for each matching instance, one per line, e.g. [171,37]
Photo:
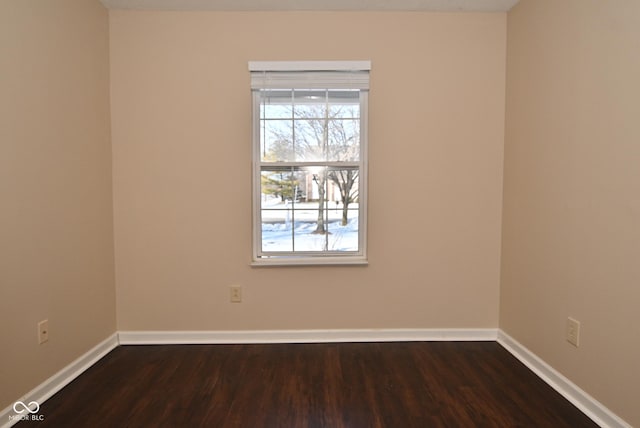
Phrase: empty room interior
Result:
[502,193]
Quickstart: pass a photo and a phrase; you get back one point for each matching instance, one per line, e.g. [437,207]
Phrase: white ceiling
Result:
[390,5]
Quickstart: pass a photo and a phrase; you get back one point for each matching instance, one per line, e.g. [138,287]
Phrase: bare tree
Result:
[324,132]
[320,180]
[312,134]
[346,181]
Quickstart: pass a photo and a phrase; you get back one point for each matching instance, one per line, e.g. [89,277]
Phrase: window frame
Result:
[327,70]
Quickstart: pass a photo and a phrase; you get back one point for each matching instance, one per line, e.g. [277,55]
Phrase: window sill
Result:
[310,261]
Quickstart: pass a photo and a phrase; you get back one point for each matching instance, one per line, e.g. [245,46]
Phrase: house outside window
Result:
[309,162]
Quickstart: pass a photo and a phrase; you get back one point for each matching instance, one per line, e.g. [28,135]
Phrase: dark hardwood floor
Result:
[417,384]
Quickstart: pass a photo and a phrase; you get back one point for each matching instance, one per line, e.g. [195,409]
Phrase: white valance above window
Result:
[309,74]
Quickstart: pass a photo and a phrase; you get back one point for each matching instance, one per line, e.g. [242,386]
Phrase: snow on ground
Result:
[288,226]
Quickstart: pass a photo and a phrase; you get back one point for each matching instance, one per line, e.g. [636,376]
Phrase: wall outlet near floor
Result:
[43,331]
[235,294]
[573,331]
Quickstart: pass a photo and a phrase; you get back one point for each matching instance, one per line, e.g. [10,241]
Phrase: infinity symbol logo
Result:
[25,407]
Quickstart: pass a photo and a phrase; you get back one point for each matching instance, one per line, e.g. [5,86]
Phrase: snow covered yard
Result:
[289,226]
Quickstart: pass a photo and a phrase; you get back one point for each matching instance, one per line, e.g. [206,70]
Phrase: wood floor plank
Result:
[407,384]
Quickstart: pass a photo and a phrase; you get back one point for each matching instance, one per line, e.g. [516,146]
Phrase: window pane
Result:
[305,226]
[303,209]
[344,140]
[276,141]
[343,208]
[344,237]
[310,140]
[276,104]
[278,186]
[344,104]
[278,189]
[315,133]
[276,236]
[310,104]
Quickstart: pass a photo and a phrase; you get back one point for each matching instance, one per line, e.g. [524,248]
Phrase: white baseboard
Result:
[59,380]
[579,398]
[304,336]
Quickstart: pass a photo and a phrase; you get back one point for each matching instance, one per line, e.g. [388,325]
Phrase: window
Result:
[309,162]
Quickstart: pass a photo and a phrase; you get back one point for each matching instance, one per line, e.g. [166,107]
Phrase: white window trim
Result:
[361,258]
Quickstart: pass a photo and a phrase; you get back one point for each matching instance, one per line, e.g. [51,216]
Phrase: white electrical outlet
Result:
[573,331]
[43,331]
[235,294]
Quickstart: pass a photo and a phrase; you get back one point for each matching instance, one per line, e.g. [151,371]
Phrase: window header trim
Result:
[267,75]
[310,65]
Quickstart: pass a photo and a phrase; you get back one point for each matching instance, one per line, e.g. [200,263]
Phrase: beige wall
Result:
[56,232]
[571,234]
[181,153]
[182,150]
